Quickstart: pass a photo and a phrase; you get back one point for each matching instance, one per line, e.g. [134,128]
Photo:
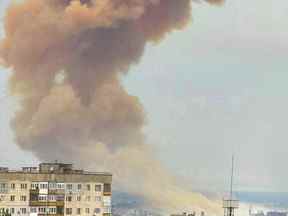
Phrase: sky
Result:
[215,88]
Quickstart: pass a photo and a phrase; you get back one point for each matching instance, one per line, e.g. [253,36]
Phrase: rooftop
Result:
[52,168]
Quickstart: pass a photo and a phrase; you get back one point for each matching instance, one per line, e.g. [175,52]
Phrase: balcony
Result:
[49,214]
[56,192]
[107,193]
[45,203]
[34,191]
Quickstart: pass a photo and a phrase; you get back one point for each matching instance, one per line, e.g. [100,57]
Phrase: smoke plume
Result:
[67,58]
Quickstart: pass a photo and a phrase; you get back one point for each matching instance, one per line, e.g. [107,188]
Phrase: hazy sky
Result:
[217,87]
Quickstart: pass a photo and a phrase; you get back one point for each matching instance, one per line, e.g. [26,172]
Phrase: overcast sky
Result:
[217,87]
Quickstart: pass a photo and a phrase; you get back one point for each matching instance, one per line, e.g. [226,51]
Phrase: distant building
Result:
[55,189]
[270,213]
[187,214]
[260,213]
[275,213]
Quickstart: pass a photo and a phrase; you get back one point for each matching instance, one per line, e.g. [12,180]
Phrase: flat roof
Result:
[102,177]
[55,163]
[40,174]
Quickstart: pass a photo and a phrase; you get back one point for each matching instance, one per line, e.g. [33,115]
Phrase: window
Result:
[60,210]
[69,198]
[97,210]
[23,210]
[34,186]
[98,198]
[88,187]
[23,198]
[98,188]
[68,211]
[12,186]
[34,197]
[2,185]
[42,197]
[52,185]
[12,198]
[52,210]
[79,186]
[106,200]
[42,210]
[12,210]
[107,188]
[33,210]
[107,209]
[51,198]
[78,198]
[60,186]
[79,211]
[69,186]
[87,210]
[3,188]
[2,198]
[23,186]
[44,186]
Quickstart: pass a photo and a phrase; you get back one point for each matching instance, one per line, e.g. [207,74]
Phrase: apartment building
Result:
[55,189]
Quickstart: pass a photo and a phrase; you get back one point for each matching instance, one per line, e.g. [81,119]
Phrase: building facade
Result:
[55,189]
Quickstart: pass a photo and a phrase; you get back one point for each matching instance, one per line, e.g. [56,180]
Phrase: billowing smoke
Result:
[67,58]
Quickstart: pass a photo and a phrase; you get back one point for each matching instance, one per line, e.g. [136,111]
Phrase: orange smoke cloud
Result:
[67,57]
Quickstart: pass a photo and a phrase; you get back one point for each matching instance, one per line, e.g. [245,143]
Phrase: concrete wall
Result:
[17,192]
[96,199]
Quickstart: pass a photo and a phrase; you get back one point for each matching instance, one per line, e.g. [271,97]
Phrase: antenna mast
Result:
[230,205]
[232,178]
